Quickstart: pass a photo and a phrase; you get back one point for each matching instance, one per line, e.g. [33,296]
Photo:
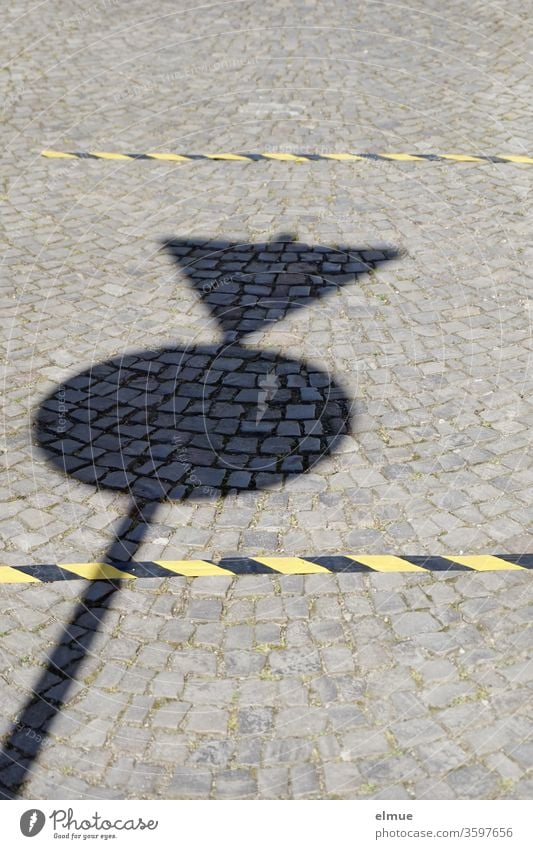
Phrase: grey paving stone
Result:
[523,754]
[170,715]
[258,692]
[197,662]
[214,585]
[236,784]
[342,780]
[273,783]
[205,609]
[190,783]
[346,717]
[268,634]
[522,790]
[301,721]
[253,585]
[93,734]
[292,691]
[207,720]
[433,790]
[338,660]
[169,749]
[243,664]
[472,782]
[416,623]
[391,768]
[446,694]
[323,689]
[269,608]
[304,781]
[287,751]
[177,631]
[209,692]
[239,637]
[438,757]
[327,631]
[289,662]
[359,744]
[248,751]
[417,732]
[255,721]
[215,752]
[394,791]
[296,608]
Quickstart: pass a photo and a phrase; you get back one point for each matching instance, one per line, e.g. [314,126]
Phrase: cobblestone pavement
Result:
[274,684]
[385,686]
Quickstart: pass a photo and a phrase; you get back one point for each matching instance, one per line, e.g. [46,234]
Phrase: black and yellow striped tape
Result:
[289,157]
[265,566]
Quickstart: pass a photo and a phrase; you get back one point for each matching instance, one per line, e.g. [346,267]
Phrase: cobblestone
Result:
[432,724]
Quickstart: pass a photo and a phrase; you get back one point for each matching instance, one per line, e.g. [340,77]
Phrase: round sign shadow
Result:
[197,422]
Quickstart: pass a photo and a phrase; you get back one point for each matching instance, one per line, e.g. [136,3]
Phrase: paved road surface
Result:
[385,686]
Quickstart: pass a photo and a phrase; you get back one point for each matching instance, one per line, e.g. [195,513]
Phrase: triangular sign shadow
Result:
[246,286]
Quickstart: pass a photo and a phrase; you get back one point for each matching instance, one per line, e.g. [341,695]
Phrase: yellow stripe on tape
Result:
[57,154]
[13,576]
[168,157]
[528,160]
[402,157]
[460,157]
[342,157]
[95,571]
[232,157]
[284,157]
[193,568]
[386,563]
[102,155]
[292,565]
[485,563]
